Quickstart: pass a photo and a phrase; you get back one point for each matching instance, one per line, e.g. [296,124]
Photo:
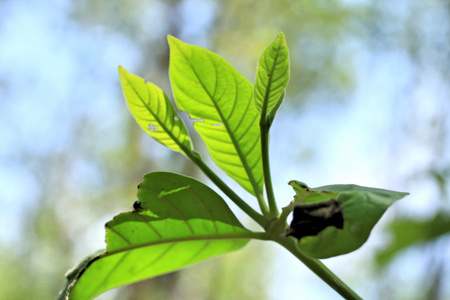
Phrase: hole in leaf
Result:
[219,124]
[165,193]
[197,120]
[152,127]
[310,219]
[176,118]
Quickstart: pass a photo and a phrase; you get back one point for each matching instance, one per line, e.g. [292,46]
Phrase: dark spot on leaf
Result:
[311,218]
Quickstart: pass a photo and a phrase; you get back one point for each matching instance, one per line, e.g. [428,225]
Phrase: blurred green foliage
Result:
[323,36]
[408,232]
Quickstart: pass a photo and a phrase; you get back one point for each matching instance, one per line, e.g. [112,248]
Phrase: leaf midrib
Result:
[269,83]
[224,236]
[207,238]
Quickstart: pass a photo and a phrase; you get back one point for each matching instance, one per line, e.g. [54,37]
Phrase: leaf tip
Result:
[281,39]
[172,40]
[281,35]
[122,72]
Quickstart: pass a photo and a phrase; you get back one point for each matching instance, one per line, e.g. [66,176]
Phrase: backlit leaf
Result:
[180,221]
[220,99]
[272,75]
[153,111]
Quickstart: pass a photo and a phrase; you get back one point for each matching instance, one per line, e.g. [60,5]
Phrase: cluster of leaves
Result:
[178,220]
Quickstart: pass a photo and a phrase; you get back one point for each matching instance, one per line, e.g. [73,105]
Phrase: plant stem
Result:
[265,122]
[266,166]
[257,217]
[262,203]
[319,269]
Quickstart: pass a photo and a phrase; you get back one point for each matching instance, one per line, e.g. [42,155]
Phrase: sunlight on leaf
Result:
[211,90]
[153,111]
[180,222]
[272,75]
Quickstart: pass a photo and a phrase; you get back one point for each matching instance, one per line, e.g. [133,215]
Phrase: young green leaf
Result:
[361,209]
[213,92]
[272,75]
[180,221]
[154,113]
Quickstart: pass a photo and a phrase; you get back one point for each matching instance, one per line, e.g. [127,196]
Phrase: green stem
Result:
[262,205]
[195,157]
[266,166]
[313,264]
[319,269]
[265,122]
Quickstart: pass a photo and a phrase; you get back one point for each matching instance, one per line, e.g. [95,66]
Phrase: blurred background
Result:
[368,103]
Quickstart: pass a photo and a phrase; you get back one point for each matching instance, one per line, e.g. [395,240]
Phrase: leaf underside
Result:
[362,207]
[181,222]
[219,98]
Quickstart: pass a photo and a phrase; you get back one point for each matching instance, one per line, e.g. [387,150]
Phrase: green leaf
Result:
[180,221]
[362,207]
[74,274]
[220,99]
[272,75]
[154,113]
